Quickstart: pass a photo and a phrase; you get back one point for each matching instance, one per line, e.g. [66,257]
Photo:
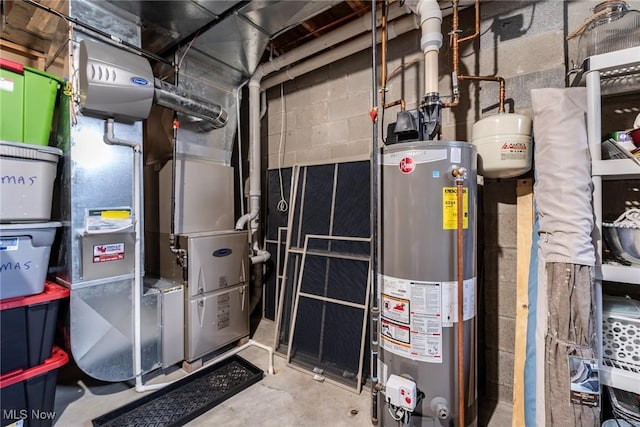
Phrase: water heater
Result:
[418,283]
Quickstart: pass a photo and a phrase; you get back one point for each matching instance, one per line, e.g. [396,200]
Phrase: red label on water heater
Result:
[407,165]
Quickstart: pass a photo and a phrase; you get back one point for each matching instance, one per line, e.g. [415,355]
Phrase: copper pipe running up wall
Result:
[383,53]
[383,67]
[455,47]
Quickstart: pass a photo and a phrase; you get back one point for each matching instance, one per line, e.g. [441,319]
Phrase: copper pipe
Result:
[400,102]
[455,57]
[477,32]
[498,79]
[454,36]
[455,42]
[459,176]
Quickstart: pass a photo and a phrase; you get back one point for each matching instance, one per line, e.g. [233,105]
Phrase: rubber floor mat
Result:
[186,399]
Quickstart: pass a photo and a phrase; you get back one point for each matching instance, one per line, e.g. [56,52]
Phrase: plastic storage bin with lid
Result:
[24,257]
[27,101]
[28,326]
[27,174]
[28,396]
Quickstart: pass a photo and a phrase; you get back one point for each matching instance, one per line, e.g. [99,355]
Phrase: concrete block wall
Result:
[326,120]
[326,115]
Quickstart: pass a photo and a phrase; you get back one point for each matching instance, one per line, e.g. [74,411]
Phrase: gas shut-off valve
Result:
[401,393]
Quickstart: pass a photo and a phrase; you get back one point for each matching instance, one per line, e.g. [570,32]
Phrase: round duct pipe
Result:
[209,116]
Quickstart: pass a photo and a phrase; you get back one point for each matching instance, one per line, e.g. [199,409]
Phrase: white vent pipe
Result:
[394,29]
[430,42]
[339,35]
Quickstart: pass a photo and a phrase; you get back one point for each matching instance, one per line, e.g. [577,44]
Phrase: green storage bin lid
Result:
[43,73]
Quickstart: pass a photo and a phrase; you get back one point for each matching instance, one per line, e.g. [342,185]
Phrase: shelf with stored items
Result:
[609,75]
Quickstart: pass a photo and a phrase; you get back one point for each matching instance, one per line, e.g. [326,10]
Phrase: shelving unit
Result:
[612,73]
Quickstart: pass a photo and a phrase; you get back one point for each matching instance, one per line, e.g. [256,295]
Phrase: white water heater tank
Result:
[504,145]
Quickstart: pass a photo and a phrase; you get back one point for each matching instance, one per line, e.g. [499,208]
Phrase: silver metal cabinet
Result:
[216,299]
[215,320]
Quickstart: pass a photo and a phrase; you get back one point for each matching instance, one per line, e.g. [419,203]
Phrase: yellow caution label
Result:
[450,208]
[115,214]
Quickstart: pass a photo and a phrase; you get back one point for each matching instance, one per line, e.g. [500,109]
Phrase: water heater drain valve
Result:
[401,392]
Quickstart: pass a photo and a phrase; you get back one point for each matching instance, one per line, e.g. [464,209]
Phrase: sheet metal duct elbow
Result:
[211,116]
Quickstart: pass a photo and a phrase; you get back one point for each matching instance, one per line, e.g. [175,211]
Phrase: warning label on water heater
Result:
[413,315]
[411,319]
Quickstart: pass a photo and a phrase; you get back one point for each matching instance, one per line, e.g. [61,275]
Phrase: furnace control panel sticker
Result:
[411,324]
[450,208]
[109,252]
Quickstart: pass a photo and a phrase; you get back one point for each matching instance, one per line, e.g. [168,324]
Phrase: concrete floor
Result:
[288,398]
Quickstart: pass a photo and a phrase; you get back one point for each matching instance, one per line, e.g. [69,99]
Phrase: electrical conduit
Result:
[375,190]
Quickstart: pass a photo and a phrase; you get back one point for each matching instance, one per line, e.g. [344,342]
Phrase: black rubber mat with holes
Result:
[186,399]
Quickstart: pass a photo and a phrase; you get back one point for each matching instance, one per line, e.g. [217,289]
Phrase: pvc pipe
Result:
[430,42]
[255,165]
[395,29]
[339,35]
[261,256]
[110,139]
[328,40]
[239,132]
[430,24]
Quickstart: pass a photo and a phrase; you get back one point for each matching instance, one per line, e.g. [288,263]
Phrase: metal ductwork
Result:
[118,84]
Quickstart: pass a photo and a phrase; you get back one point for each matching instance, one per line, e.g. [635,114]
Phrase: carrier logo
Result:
[139,81]
[222,252]
[407,165]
